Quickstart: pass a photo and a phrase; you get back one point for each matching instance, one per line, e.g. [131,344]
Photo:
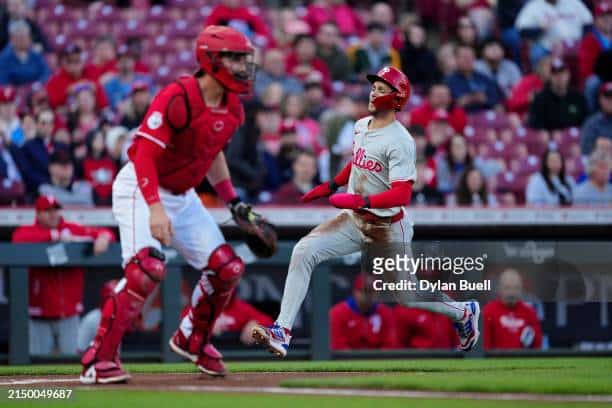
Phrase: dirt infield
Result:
[175,381]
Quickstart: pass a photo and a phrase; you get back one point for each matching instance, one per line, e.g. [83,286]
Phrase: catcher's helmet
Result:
[401,89]
[217,41]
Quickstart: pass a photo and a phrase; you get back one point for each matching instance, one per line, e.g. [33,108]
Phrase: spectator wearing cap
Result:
[529,85]
[314,95]
[439,97]
[56,293]
[596,41]
[245,19]
[552,24]
[62,184]
[418,62]
[303,60]
[103,60]
[132,112]
[493,64]
[329,49]
[360,322]
[20,64]
[33,157]
[319,12]
[375,52]
[550,186]
[599,124]
[10,124]
[596,190]
[557,106]
[119,86]
[273,70]
[508,321]
[304,173]
[472,90]
[70,74]
[20,10]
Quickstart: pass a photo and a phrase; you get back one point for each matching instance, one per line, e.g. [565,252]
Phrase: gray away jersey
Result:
[380,157]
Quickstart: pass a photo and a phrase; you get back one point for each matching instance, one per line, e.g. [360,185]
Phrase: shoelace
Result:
[278,332]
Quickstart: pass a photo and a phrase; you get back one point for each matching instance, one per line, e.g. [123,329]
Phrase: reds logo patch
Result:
[218,126]
[155,120]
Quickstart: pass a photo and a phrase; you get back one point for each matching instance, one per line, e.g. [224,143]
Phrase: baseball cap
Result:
[606,88]
[558,65]
[603,8]
[440,115]
[7,94]
[47,202]
[138,86]
[60,157]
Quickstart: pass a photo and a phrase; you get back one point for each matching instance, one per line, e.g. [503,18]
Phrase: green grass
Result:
[108,398]
[550,376]
[475,366]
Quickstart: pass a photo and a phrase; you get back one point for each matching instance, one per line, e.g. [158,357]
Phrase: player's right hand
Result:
[161,227]
[322,190]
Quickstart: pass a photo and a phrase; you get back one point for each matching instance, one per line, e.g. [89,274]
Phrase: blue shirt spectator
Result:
[19,63]
[119,87]
[472,90]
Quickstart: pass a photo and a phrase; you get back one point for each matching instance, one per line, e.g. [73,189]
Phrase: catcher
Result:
[180,142]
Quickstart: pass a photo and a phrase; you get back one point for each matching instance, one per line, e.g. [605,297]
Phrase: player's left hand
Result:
[260,235]
[346,200]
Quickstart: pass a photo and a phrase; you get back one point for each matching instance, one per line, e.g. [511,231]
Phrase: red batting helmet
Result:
[401,89]
[217,41]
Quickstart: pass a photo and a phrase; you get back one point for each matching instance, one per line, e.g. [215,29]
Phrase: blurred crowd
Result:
[511,104]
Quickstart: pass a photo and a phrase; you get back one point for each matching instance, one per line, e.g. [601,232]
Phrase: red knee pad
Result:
[227,266]
[145,271]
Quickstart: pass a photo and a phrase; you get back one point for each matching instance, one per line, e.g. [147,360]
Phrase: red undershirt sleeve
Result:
[398,195]
[145,159]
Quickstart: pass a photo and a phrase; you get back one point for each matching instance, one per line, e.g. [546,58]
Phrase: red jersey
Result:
[422,329]
[57,292]
[60,84]
[237,313]
[503,325]
[100,173]
[189,152]
[350,329]
[422,115]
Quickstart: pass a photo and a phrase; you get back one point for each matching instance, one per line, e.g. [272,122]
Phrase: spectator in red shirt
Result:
[242,18]
[510,323]
[321,11]
[360,323]
[70,74]
[523,91]
[439,97]
[303,61]
[56,293]
[104,59]
[421,329]
[596,41]
[240,317]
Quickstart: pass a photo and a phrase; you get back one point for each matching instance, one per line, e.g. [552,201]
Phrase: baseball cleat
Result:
[211,362]
[179,344]
[103,372]
[274,338]
[467,327]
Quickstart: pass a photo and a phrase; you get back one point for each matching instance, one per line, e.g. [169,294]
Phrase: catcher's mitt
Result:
[259,235]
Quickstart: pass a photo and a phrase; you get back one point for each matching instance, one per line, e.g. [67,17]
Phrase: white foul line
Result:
[27,381]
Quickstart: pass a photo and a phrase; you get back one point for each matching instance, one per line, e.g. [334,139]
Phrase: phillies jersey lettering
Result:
[380,157]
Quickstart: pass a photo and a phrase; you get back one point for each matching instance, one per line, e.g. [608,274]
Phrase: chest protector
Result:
[199,134]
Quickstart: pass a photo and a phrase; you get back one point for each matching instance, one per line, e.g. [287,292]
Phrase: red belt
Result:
[373,218]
